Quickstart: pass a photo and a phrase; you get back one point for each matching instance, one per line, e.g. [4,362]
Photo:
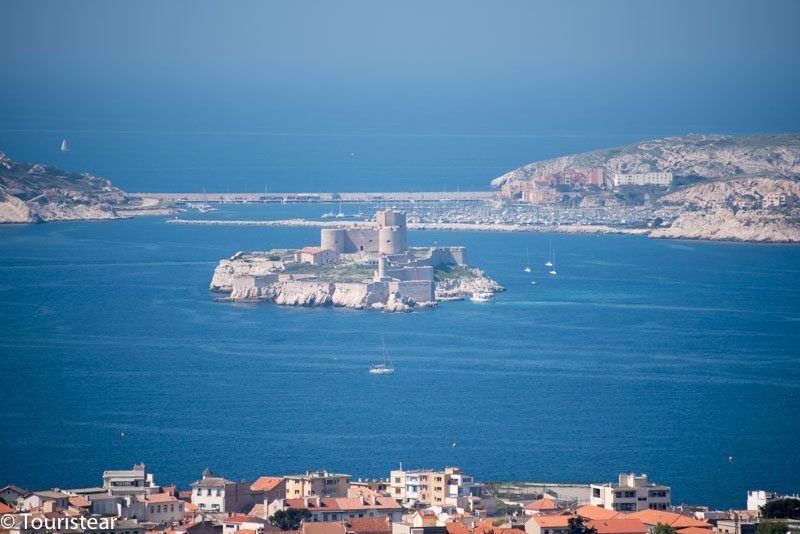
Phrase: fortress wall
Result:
[391,240]
[421,272]
[333,239]
[361,239]
[439,256]
[419,291]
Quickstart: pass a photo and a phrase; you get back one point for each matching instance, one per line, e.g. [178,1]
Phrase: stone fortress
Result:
[338,271]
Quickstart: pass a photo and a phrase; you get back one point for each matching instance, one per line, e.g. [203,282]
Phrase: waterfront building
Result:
[758,498]
[216,494]
[158,508]
[643,178]
[427,486]
[316,484]
[632,493]
[341,509]
[136,481]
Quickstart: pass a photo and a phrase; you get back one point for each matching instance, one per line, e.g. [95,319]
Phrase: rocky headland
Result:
[31,193]
[732,188]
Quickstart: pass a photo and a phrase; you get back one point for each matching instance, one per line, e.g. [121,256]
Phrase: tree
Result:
[663,528]
[289,519]
[787,508]
[772,527]
[576,526]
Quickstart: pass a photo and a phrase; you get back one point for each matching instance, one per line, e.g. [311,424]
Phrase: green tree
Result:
[663,528]
[772,527]
[782,509]
[289,519]
[576,526]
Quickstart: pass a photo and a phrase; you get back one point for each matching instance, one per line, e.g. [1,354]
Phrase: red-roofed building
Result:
[595,513]
[619,526]
[341,509]
[240,522]
[270,487]
[548,524]
[543,506]
[5,509]
[369,525]
[677,521]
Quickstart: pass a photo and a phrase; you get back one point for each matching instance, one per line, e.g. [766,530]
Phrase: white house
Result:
[631,494]
[216,494]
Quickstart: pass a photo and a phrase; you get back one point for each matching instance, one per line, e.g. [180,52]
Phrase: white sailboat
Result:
[385,368]
[549,262]
[527,268]
[552,271]
[340,215]
[64,146]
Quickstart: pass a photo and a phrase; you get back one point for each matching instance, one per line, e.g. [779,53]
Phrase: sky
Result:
[459,66]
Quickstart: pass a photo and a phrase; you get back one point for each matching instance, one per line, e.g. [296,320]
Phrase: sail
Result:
[64,146]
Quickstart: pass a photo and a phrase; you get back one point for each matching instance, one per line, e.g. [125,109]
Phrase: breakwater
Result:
[455,227]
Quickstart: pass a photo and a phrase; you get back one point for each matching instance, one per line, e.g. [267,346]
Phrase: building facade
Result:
[643,178]
[631,494]
[216,494]
[431,487]
[317,484]
[130,482]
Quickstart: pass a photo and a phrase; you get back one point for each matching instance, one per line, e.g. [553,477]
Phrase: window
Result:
[208,492]
[219,493]
[397,491]
[595,492]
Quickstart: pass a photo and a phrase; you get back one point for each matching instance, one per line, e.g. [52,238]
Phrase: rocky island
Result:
[368,266]
[31,193]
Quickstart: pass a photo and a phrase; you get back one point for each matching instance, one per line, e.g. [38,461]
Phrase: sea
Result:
[679,359]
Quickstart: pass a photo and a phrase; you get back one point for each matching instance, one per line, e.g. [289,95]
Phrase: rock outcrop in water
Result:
[262,276]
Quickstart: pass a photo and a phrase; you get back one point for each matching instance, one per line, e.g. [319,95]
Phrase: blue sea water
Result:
[659,356]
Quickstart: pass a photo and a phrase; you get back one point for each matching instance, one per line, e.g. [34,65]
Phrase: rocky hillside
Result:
[737,210]
[705,156]
[32,193]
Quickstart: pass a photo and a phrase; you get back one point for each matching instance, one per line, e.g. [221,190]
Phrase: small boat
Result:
[527,268]
[552,271]
[482,296]
[533,282]
[328,215]
[64,146]
[549,263]
[385,368]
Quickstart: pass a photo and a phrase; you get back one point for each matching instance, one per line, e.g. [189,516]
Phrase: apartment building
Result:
[130,482]
[317,484]
[643,178]
[216,494]
[342,509]
[631,494]
[431,487]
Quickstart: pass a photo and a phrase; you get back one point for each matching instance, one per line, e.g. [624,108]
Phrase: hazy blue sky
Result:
[465,66]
